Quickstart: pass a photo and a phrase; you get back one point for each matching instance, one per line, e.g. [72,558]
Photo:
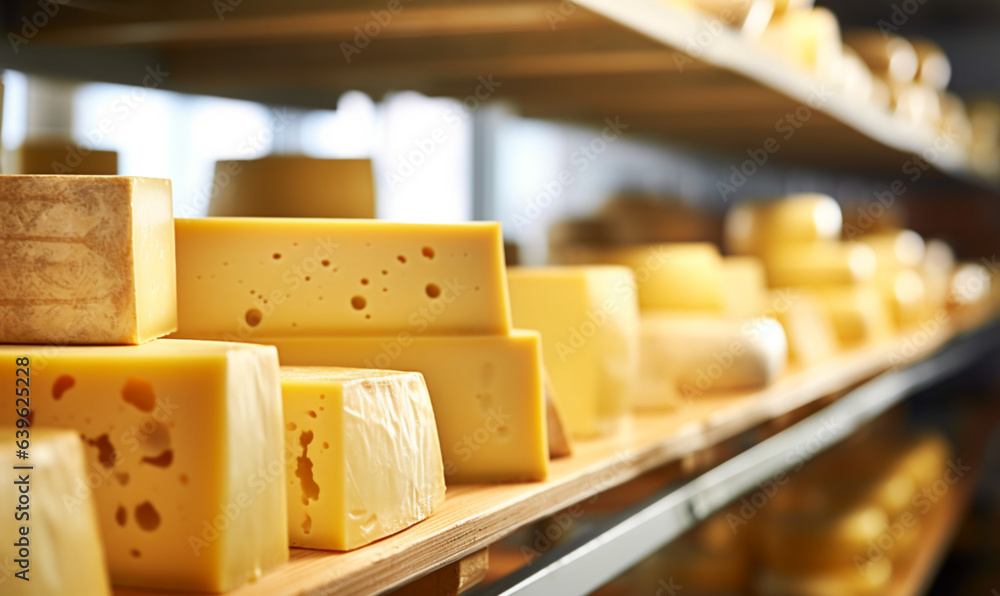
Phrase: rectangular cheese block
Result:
[744,287]
[185,454]
[367,458]
[294,186]
[54,157]
[51,542]
[670,276]
[86,260]
[819,264]
[486,390]
[684,357]
[589,320]
[250,278]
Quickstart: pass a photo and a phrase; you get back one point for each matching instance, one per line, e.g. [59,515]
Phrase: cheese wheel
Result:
[888,56]
[970,294]
[750,17]
[905,296]
[820,263]
[854,76]
[754,227]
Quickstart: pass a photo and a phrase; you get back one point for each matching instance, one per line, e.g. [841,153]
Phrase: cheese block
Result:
[888,56]
[905,297]
[744,287]
[754,227]
[819,263]
[86,260]
[808,39]
[933,66]
[684,357]
[811,335]
[51,156]
[486,390]
[820,540]
[51,546]
[367,459]
[670,276]
[185,454]
[858,313]
[589,320]
[895,249]
[293,186]
[872,579]
[247,278]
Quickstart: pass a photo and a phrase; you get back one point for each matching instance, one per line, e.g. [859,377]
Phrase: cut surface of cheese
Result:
[367,459]
[684,357]
[487,393]
[819,263]
[754,227]
[86,260]
[184,448]
[47,156]
[669,276]
[294,186]
[589,320]
[745,287]
[249,278]
[62,551]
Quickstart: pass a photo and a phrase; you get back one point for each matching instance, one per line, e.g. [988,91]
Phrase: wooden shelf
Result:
[474,516]
[595,59]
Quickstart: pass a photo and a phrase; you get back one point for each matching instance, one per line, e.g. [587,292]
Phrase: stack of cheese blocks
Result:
[706,324]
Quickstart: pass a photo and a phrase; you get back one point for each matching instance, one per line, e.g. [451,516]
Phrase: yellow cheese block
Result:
[49,156]
[671,276]
[185,454]
[86,260]
[858,313]
[872,579]
[888,56]
[819,263]
[486,390]
[589,320]
[684,357]
[50,547]
[755,227]
[895,249]
[367,459]
[905,297]
[811,335]
[808,39]
[294,186]
[246,278]
[744,287]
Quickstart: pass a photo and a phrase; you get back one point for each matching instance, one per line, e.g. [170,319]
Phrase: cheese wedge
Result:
[486,390]
[293,186]
[250,278]
[755,227]
[86,260]
[184,447]
[51,546]
[49,156]
[684,357]
[589,321]
[368,461]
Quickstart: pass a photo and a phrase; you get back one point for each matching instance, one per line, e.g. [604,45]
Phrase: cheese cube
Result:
[367,459]
[86,260]
[671,276]
[294,186]
[244,279]
[486,390]
[589,321]
[745,287]
[54,543]
[754,227]
[684,357]
[821,263]
[54,157]
[184,445]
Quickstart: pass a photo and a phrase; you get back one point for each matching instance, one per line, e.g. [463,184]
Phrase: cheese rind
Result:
[251,278]
[368,462]
[589,321]
[486,390]
[184,453]
[63,552]
[86,259]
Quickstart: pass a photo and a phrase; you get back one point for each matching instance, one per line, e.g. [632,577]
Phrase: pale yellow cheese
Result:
[970,294]
[671,276]
[811,335]
[293,186]
[754,227]
[486,390]
[51,546]
[184,447]
[888,56]
[808,39]
[858,313]
[684,357]
[905,296]
[367,459]
[744,287]
[819,263]
[51,156]
[86,260]
[250,278]
[895,249]
[589,320]
[934,68]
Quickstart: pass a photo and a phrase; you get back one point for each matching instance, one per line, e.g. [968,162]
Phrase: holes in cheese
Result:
[344,277]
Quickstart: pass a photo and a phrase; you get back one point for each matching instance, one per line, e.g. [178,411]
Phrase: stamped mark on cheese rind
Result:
[303,470]
[139,392]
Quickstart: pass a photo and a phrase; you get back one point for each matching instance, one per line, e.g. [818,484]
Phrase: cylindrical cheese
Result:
[754,227]
[934,67]
[888,56]
[821,263]
[916,103]
[895,249]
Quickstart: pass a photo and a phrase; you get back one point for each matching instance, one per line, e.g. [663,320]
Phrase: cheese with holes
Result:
[684,357]
[755,227]
[669,276]
[293,186]
[245,278]
[589,321]
[185,454]
[367,459]
[486,390]
[86,260]
[54,157]
[53,543]
[820,263]
[745,287]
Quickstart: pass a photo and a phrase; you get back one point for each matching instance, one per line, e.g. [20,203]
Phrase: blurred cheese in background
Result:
[809,39]
[888,56]
[53,156]
[857,312]
[294,186]
[744,285]
[749,17]
[754,227]
[812,337]
[934,68]
[984,148]
[820,263]
[642,219]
